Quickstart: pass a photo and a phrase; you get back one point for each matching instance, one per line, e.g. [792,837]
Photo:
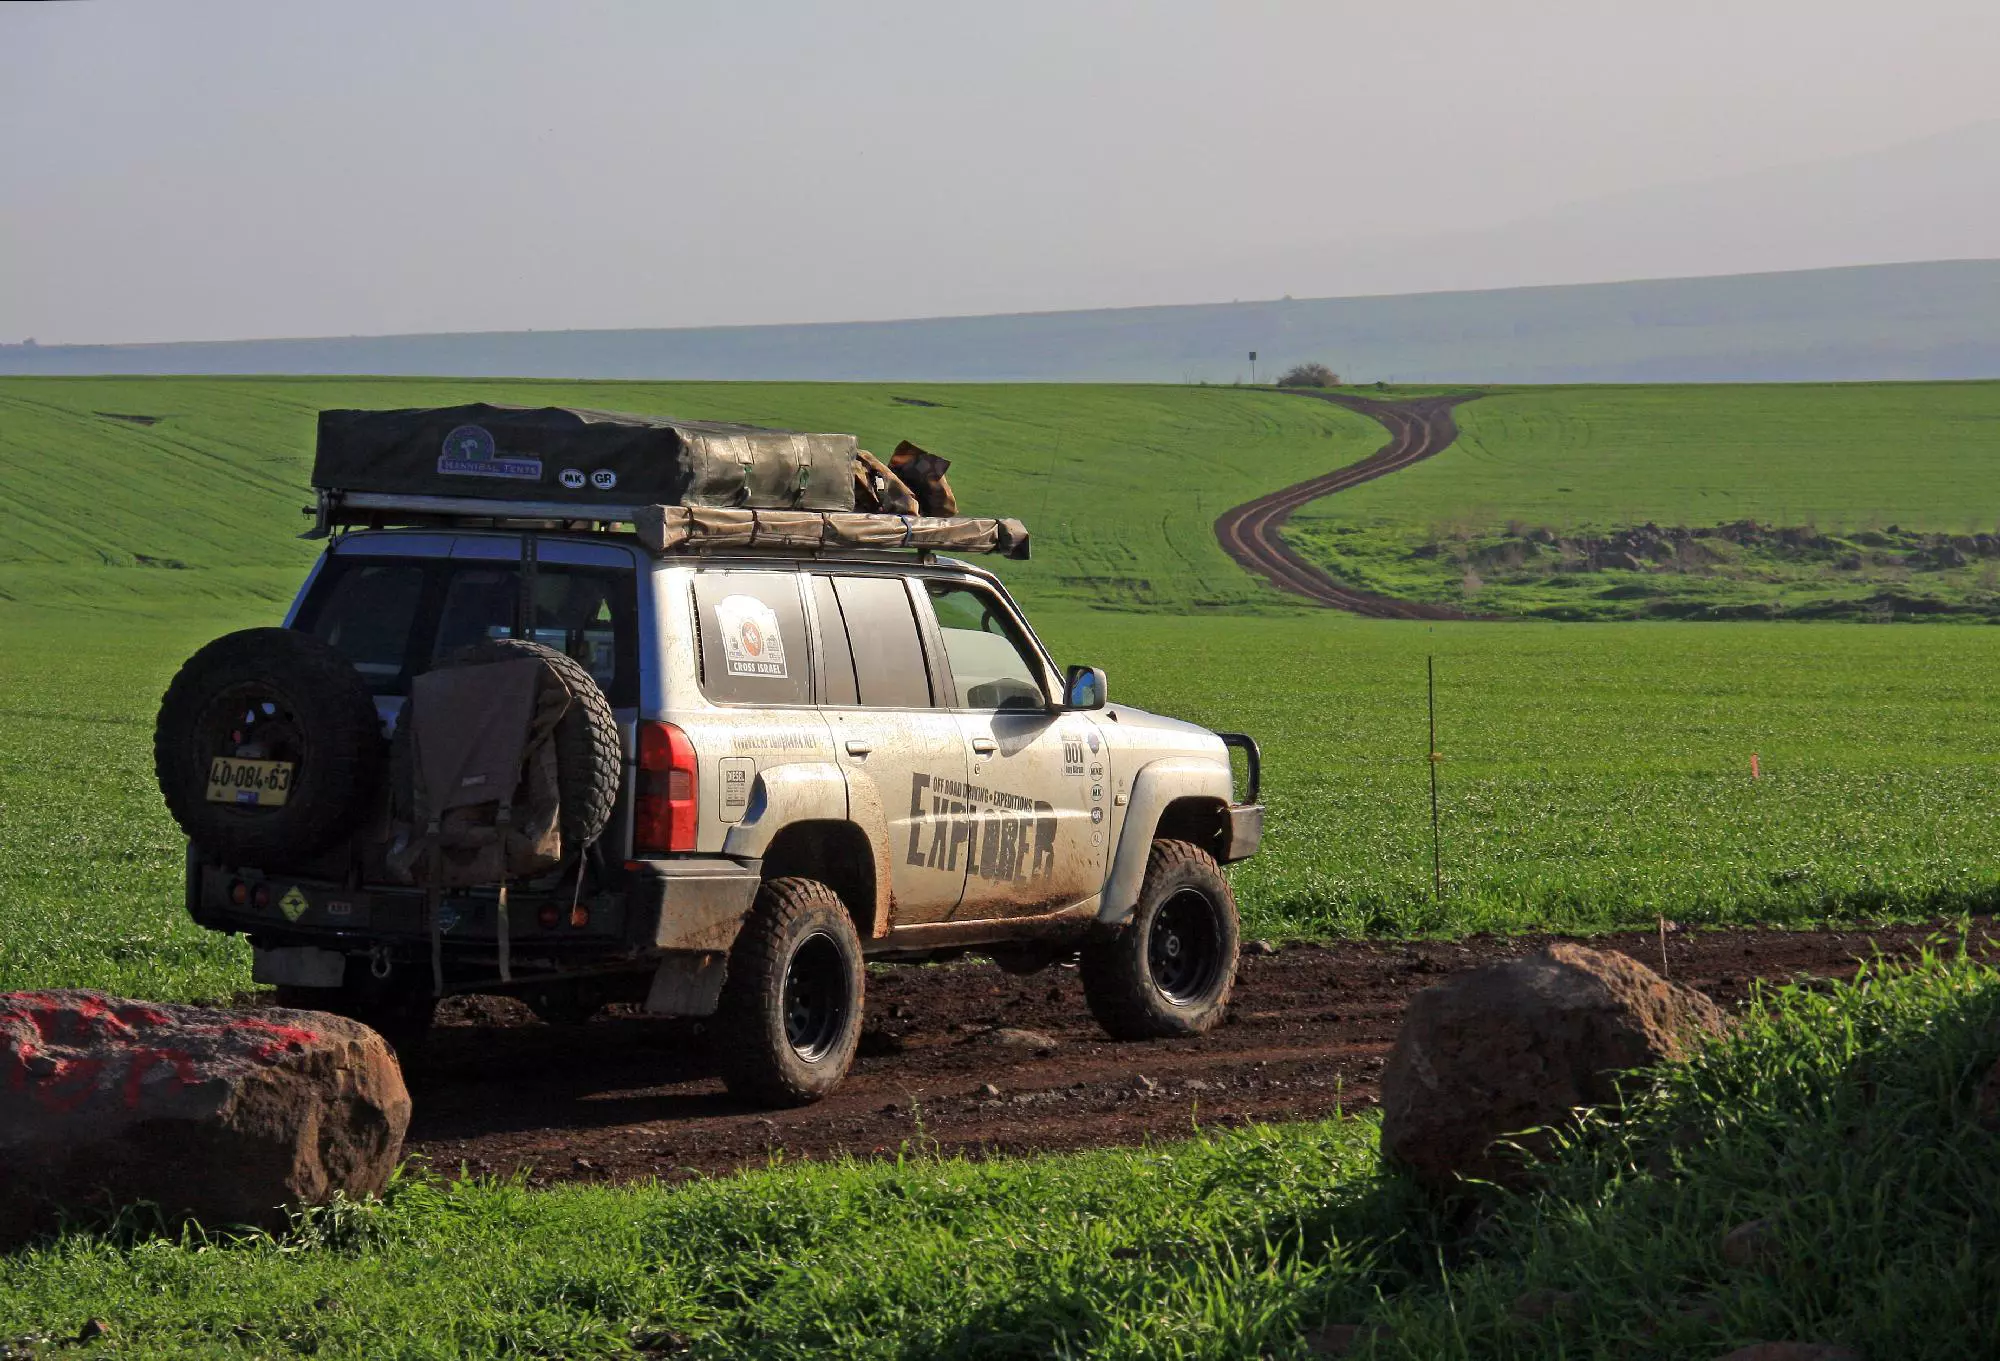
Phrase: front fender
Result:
[1156,785]
[803,791]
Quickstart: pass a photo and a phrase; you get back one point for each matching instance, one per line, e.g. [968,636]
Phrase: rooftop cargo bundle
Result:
[586,459]
[683,485]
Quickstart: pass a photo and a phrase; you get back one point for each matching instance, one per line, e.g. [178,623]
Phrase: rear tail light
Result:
[664,819]
[239,892]
[260,897]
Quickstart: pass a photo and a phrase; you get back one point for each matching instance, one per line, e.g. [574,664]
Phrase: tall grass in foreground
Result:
[1845,1116]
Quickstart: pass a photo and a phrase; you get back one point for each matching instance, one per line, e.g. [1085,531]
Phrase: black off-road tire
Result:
[315,710]
[588,756]
[790,1017]
[1169,972]
[399,1012]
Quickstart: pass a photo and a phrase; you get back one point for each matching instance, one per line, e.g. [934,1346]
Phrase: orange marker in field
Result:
[1755,774]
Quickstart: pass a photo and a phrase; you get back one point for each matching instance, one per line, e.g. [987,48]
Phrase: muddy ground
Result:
[942,1062]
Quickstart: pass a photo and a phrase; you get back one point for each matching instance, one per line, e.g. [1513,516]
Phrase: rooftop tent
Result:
[580,458]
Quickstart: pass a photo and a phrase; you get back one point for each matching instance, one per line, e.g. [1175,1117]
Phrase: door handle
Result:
[985,746]
[856,747]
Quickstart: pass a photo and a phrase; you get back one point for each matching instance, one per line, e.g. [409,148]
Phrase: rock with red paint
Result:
[1519,1046]
[224,1117]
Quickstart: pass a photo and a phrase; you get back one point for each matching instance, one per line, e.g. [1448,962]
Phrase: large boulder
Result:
[1519,1046]
[225,1117]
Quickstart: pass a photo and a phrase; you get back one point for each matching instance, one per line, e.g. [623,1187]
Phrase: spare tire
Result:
[269,695]
[589,759]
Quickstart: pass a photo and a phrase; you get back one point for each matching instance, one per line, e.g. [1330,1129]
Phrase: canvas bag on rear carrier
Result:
[485,787]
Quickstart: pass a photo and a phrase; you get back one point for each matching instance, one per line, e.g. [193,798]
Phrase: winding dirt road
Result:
[1251,533]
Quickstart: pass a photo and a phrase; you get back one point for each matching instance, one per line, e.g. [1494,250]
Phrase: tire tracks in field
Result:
[1251,533]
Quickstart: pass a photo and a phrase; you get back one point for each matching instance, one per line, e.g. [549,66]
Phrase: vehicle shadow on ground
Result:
[480,1080]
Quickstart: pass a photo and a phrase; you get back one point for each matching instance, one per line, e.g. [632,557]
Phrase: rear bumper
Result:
[1246,830]
[664,906]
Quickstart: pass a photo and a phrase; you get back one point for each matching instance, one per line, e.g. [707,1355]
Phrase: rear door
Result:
[1037,775]
[893,738]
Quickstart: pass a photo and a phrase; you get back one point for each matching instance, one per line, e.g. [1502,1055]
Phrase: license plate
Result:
[256,784]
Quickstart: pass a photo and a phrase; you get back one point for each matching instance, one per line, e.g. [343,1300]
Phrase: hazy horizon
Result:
[221,170]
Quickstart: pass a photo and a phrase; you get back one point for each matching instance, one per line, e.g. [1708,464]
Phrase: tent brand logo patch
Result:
[293,904]
[469,451]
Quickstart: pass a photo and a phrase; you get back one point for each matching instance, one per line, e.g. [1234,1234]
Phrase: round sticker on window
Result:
[572,478]
[751,643]
[604,479]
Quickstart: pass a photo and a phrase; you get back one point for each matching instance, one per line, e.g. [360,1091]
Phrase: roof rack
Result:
[668,529]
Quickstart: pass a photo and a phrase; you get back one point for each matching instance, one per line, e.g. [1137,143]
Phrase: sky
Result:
[222,169]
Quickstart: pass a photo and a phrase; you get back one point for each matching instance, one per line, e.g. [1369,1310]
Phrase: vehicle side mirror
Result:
[1084,688]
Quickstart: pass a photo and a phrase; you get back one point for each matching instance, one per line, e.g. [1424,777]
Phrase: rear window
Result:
[753,638]
[392,619]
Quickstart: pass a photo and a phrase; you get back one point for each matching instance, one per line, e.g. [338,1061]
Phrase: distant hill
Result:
[1937,319]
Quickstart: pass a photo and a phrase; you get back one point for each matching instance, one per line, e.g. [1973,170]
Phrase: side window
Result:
[753,638]
[837,683]
[889,666]
[367,615]
[991,663]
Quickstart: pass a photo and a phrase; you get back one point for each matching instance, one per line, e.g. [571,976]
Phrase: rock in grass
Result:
[1342,1339]
[224,1117]
[1750,1246]
[1519,1046]
[1536,1305]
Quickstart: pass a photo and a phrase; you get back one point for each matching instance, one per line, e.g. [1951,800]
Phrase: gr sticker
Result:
[604,479]
[469,451]
[1005,838]
[751,642]
[573,478]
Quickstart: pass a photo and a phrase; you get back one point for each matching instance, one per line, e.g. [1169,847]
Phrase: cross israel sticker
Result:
[468,451]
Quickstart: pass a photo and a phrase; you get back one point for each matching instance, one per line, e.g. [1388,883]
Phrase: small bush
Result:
[1309,376]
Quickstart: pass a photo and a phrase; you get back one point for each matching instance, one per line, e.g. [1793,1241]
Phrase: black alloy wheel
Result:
[1185,948]
[816,1001]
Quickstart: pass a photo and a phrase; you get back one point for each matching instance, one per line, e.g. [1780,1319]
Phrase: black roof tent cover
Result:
[581,458]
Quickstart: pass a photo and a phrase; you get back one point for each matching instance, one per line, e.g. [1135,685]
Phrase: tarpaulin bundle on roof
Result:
[585,459]
[666,528]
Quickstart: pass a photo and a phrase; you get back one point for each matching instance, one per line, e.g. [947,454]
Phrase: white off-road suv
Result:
[821,759]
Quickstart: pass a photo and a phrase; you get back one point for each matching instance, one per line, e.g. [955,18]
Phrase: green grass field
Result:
[1119,484]
[1593,777]
[1841,459]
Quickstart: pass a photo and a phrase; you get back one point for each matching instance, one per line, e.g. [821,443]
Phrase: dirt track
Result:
[1250,533]
[629,1097]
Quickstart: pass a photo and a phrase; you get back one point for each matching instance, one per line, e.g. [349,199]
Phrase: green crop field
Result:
[1119,484]
[1885,478]
[1592,778]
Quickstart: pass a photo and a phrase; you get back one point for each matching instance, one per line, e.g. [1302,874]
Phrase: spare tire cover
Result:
[589,760]
[303,747]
